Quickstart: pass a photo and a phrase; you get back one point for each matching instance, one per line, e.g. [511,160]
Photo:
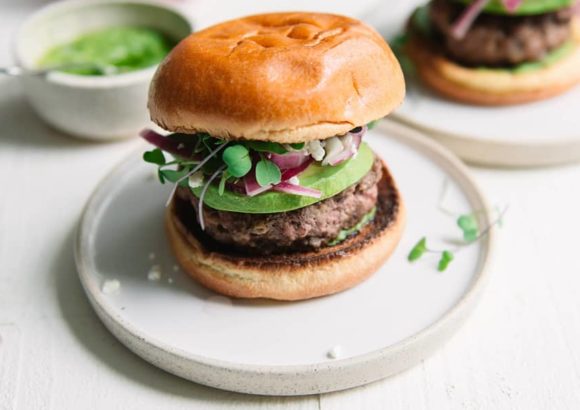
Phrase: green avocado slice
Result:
[528,7]
[327,179]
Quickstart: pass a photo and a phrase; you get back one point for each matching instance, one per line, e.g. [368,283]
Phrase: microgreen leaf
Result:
[264,146]
[237,158]
[469,226]
[298,146]
[418,250]
[154,157]
[174,176]
[223,180]
[160,176]
[446,258]
[267,173]
[373,124]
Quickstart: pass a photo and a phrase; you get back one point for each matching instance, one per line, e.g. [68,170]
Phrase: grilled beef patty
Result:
[500,40]
[304,229]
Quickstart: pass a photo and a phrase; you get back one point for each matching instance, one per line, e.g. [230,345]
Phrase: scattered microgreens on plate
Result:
[468,224]
[471,234]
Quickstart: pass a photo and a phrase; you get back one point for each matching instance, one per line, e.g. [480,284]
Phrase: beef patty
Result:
[500,40]
[304,229]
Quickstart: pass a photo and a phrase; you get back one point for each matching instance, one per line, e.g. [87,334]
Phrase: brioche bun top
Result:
[281,77]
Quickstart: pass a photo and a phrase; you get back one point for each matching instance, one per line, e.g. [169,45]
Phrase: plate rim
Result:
[497,151]
[452,317]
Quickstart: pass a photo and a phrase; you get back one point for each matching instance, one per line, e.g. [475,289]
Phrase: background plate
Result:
[383,326]
[536,134]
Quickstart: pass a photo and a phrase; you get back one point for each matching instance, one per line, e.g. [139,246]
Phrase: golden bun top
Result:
[281,77]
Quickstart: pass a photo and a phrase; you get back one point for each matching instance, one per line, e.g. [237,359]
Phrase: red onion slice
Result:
[252,186]
[289,173]
[289,160]
[292,189]
[181,149]
[465,21]
[359,132]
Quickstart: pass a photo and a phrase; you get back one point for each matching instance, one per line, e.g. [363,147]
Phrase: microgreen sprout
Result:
[418,250]
[267,173]
[446,258]
[238,161]
[471,234]
[468,224]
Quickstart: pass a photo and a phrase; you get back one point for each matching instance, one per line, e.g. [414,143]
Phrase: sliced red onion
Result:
[465,21]
[292,189]
[252,186]
[357,137]
[289,173]
[512,5]
[181,149]
[576,8]
[289,160]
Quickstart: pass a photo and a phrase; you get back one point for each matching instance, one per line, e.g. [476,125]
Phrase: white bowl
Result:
[92,107]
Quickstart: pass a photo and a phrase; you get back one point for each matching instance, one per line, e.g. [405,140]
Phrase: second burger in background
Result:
[496,52]
[277,196]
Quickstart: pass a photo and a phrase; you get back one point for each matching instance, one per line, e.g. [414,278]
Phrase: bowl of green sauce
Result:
[104,54]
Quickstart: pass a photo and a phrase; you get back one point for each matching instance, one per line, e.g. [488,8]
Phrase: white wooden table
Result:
[520,350]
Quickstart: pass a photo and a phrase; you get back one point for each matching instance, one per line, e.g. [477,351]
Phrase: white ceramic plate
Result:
[385,325]
[536,134]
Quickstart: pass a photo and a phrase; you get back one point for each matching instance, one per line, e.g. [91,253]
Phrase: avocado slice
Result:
[328,180]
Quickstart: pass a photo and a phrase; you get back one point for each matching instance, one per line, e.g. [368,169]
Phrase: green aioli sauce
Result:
[111,50]
[346,233]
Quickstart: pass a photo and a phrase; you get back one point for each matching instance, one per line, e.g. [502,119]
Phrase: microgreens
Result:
[373,124]
[471,234]
[446,258]
[237,159]
[298,146]
[418,250]
[264,146]
[267,173]
[467,223]
[154,157]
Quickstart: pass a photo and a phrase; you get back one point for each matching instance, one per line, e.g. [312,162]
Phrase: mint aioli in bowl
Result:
[118,49]
[129,37]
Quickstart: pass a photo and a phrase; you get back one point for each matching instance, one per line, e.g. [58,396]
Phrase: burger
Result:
[276,195]
[495,52]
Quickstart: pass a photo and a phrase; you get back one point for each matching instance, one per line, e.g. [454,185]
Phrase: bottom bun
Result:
[493,87]
[294,276]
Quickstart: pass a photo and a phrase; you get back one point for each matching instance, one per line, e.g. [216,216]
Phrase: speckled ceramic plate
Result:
[379,328]
[537,134]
